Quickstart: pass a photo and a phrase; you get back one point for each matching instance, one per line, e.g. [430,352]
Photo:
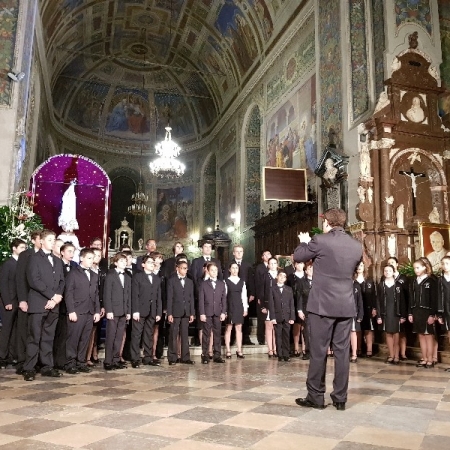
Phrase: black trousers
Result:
[78,336]
[282,335]
[305,332]
[59,343]
[114,335]
[323,330]
[179,327]
[215,324]
[8,334]
[261,325]
[21,337]
[142,329]
[41,332]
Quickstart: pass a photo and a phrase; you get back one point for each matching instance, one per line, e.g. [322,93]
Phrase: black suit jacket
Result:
[260,272]
[45,280]
[66,270]
[146,296]
[81,293]
[212,302]
[8,288]
[168,267]
[117,299]
[180,300]
[281,305]
[246,274]
[21,275]
[335,255]
[196,269]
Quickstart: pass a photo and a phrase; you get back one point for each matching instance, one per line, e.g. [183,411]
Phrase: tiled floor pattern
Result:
[240,404]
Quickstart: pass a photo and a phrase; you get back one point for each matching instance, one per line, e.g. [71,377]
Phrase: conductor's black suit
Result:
[331,308]
[45,280]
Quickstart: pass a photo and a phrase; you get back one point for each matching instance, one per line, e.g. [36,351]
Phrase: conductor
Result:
[331,306]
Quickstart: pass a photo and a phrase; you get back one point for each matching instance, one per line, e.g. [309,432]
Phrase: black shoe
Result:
[109,366]
[188,361]
[119,366]
[248,343]
[71,371]
[280,358]
[340,406]
[153,362]
[178,360]
[402,358]
[157,360]
[305,356]
[307,404]
[3,364]
[172,363]
[29,376]
[135,364]
[286,359]
[13,362]
[84,369]
[54,373]
[19,370]
[261,343]
[239,355]
[210,357]
[205,359]
[219,359]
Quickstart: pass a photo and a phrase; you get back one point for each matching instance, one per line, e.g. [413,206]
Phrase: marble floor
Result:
[241,404]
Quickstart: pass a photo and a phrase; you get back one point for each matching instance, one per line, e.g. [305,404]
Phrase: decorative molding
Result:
[382,143]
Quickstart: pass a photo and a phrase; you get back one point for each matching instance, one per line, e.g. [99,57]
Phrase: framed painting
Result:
[434,239]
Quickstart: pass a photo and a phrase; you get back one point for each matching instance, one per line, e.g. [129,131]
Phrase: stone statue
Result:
[361,194]
[68,219]
[413,40]
[396,64]
[330,171]
[364,161]
[140,243]
[383,101]
[400,213]
[434,216]
[389,200]
[391,244]
[415,113]
[370,194]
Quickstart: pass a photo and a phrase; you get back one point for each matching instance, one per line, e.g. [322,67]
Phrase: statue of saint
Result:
[330,171]
[415,113]
[68,219]
[400,213]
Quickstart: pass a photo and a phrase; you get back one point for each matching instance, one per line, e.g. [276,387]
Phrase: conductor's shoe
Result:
[305,403]
[29,376]
[340,406]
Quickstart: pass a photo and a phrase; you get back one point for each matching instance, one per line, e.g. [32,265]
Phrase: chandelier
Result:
[139,199]
[167,165]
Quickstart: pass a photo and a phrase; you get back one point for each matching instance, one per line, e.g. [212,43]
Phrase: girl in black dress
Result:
[391,311]
[356,325]
[269,280]
[237,307]
[404,283]
[294,281]
[368,291]
[423,309]
[444,296]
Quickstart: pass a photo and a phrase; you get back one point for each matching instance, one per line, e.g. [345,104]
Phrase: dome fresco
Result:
[120,69]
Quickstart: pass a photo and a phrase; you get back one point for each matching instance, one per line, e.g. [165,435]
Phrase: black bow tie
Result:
[213,280]
[47,254]
[181,278]
[86,270]
[121,273]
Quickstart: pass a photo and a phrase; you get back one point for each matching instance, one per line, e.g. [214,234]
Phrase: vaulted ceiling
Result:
[119,68]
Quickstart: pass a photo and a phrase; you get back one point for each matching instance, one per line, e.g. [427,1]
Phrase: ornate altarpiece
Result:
[403,161]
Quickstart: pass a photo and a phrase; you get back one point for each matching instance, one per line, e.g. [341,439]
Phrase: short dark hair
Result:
[211,243]
[211,264]
[148,240]
[124,246]
[156,255]
[65,246]
[86,251]
[45,233]
[180,261]
[16,242]
[118,256]
[336,217]
[394,258]
[127,252]
[145,258]
[35,234]
[264,251]
[96,239]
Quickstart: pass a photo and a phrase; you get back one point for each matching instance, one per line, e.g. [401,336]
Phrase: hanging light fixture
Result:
[167,165]
[139,198]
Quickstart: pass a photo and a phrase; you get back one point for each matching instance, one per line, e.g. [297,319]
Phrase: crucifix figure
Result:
[124,238]
[413,177]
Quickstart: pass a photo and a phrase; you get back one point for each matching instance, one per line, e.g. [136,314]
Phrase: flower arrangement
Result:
[17,220]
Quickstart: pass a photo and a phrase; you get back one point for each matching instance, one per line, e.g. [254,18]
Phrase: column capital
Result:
[382,143]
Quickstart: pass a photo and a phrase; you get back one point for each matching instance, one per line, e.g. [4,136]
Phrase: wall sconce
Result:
[194,238]
[209,230]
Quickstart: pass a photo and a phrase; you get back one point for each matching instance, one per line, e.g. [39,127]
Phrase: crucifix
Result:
[124,238]
[413,177]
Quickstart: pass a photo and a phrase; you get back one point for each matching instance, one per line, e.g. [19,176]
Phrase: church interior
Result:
[352,96]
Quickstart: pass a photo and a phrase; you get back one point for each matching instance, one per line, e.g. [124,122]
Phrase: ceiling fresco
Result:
[121,69]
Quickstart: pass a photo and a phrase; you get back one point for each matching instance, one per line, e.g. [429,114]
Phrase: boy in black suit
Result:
[83,309]
[212,304]
[46,280]
[117,303]
[22,298]
[9,304]
[147,310]
[282,314]
[180,313]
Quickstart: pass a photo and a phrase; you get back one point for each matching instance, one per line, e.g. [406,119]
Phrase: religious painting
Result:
[129,114]
[174,213]
[262,12]
[233,26]
[227,192]
[434,241]
[283,261]
[291,131]
[413,11]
